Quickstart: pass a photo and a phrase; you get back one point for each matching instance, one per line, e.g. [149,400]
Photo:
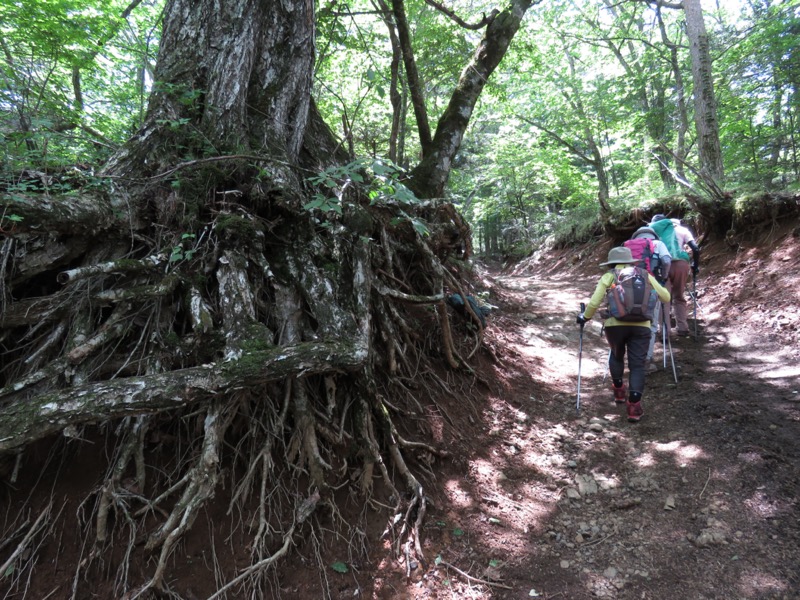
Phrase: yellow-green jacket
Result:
[599,297]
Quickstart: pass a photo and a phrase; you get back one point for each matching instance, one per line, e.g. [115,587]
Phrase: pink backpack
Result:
[644,249]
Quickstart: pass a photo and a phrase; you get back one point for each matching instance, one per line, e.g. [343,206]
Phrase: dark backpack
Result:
[457,302]
[645,250]
[631,297]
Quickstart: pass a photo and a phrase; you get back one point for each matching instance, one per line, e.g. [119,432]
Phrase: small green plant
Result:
[180,251]
[383,180]
[5,219]
[339,567]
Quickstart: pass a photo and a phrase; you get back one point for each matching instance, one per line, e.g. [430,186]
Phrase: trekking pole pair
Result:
[580,357]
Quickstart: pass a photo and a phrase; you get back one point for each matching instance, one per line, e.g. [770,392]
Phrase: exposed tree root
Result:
[298,356]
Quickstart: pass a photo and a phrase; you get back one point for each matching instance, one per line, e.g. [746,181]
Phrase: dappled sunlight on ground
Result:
[698,500]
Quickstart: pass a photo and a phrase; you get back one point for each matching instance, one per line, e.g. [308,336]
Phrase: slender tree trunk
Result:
[430,176]
[680,95]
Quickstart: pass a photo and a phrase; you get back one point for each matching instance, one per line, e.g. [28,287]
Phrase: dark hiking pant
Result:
[634,339]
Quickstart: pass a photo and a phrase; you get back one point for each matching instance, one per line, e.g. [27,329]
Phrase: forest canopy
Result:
[591,95]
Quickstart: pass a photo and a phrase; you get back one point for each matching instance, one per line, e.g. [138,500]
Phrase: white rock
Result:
[586,484]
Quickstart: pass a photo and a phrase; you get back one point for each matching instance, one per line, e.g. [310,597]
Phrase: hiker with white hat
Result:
[626,334]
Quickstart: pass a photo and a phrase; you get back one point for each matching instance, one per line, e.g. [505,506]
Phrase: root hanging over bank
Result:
[253,355]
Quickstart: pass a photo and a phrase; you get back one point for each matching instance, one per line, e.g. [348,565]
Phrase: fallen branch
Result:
[474,579]
[47,413]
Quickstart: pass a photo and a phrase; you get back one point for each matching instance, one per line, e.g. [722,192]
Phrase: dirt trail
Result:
[698,500]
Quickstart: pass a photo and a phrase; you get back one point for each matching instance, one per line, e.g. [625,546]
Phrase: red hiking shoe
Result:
[619,393]
[635,411]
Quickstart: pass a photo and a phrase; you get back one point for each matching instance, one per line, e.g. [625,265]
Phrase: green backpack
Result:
[666,233]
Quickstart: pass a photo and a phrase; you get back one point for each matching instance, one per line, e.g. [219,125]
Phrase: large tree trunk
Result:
[231,77]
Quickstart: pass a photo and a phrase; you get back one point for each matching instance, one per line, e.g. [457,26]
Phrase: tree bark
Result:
[230,77]
[705,103]
[44,414]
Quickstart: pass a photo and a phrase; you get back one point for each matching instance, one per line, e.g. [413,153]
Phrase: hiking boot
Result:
[635,411]
[620,393]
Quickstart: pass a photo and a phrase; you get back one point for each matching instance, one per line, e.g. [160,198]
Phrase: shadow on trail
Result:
[696,501]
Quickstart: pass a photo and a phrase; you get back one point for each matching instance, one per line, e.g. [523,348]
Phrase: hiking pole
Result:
[580,356]
[694,302]
[671,355]
[664,334]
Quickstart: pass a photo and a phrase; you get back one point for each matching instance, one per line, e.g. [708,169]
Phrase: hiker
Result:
[677,237]
[632,337]
[658,265]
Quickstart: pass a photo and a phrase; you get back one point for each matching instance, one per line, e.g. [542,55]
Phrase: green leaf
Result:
[420,227]
[458,532]
[339,567]
[316,203]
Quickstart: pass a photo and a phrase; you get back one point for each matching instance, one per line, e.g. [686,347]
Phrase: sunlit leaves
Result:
[74,77]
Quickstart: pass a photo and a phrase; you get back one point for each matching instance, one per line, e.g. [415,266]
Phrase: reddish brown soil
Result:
[697,501]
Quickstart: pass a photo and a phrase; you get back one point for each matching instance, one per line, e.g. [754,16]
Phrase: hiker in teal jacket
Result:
[622,336]
[677,238]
